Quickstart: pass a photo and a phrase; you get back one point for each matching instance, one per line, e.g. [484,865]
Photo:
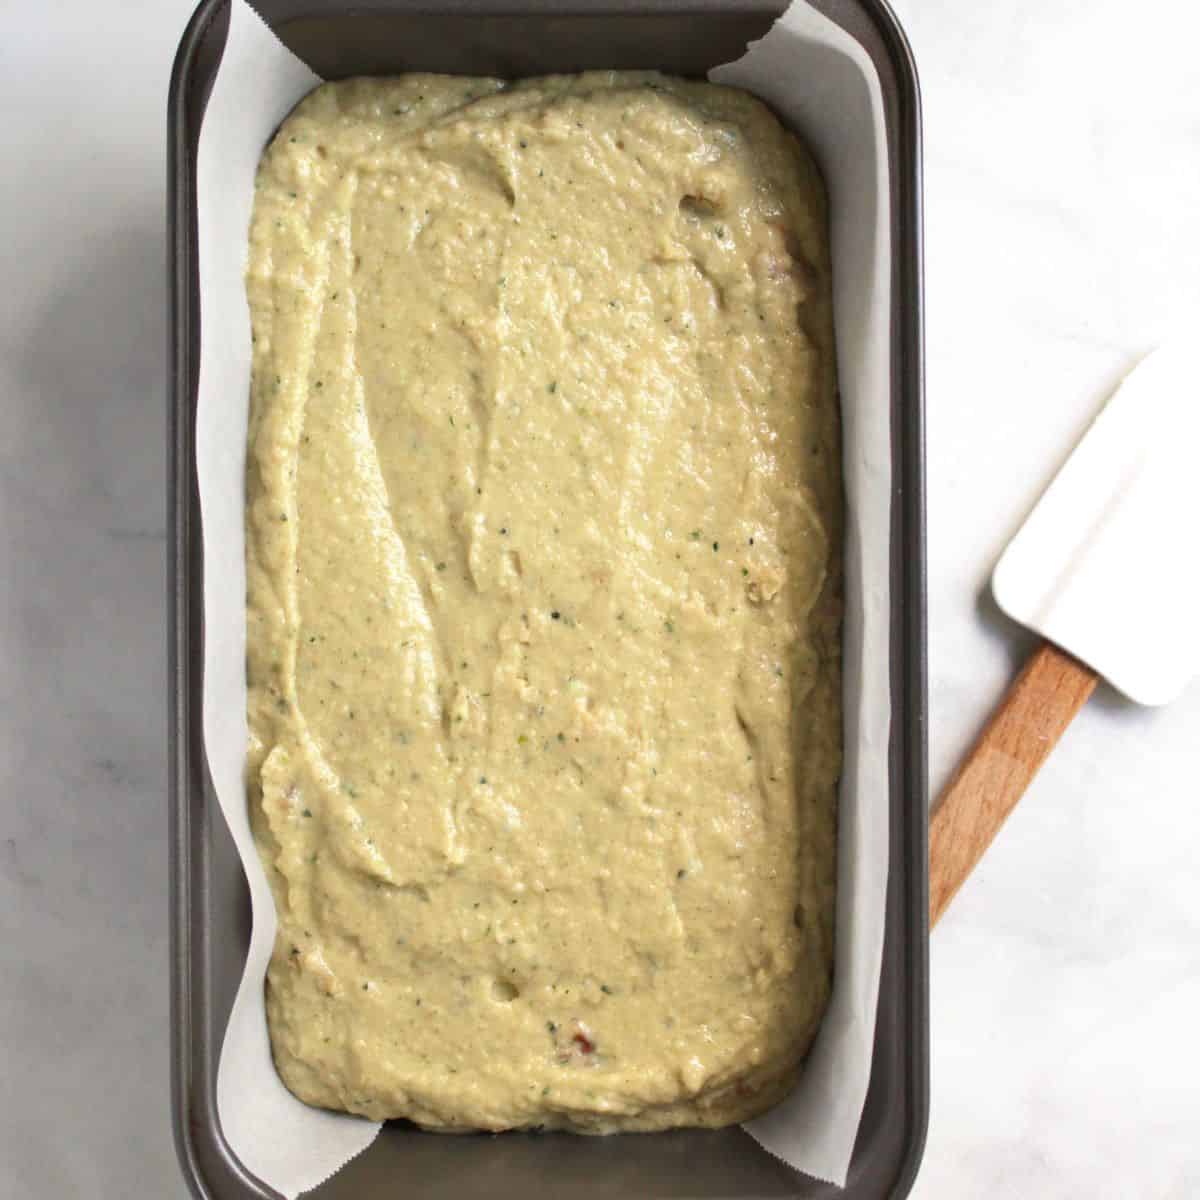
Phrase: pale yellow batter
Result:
[543,541]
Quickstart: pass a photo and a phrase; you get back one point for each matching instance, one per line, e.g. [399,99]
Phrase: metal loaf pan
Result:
[209,903]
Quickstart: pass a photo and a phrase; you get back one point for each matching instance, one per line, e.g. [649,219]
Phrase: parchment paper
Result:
[824,86]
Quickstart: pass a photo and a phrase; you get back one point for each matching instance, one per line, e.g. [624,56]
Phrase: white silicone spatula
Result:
[1107,570]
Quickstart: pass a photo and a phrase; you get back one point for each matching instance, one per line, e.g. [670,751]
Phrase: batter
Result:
[543,551]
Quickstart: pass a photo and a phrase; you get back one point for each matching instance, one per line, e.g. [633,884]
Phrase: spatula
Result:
[1107,570]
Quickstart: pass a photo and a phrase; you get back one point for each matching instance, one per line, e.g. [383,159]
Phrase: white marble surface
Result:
[1063,191]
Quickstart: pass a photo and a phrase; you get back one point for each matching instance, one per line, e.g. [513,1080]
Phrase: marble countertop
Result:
[1063,191]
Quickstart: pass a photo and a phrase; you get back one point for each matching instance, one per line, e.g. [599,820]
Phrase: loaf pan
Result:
[210,917]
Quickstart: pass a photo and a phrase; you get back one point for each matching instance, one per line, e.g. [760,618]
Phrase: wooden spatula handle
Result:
[1042,701]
